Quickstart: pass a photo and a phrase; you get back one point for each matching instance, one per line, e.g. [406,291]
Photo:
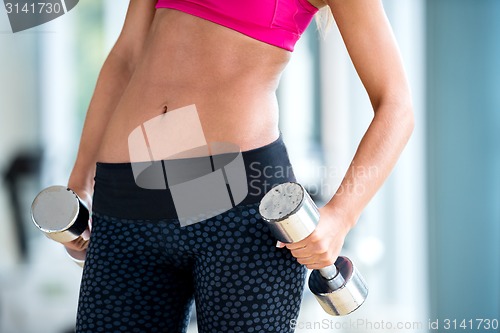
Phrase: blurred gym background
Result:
[428,243]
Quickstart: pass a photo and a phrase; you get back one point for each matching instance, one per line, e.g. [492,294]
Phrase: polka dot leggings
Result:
[144,275]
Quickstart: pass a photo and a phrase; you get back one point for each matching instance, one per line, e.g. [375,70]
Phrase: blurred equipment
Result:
[62,216]
[292,216]
[23,165]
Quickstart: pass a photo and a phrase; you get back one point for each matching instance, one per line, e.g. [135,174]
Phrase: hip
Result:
[190,189]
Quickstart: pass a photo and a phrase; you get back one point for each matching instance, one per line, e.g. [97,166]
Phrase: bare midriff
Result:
[229,77]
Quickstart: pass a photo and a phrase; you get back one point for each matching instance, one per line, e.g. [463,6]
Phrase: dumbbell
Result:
[62,216]
[292,216]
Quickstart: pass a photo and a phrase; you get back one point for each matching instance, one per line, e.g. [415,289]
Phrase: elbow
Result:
[125,54]
[126,60]
[406,118]
[411,125]
[409,119]
[399,112]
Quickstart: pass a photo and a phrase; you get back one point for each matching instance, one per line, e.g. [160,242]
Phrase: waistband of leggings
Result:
[120,190]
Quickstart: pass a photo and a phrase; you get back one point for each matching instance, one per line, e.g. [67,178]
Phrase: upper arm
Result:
[370,42]
[137,23]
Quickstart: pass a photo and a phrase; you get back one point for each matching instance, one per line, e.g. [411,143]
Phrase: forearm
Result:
[113,79]
[373,161]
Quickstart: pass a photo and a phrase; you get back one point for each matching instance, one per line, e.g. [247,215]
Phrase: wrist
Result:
[341,214]
[81,181]
[83,190]
[82,175]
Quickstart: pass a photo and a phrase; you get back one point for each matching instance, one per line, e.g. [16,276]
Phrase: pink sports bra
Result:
[276,22]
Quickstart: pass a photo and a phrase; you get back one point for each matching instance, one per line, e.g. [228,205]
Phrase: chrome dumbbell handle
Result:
[331,274]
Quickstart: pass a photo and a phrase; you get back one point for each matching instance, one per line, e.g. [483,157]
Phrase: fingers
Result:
[304,253]
[310,246]
[86,234]
[318,265]
[81,243]
[310,240]
[321,260]
[322,247]
[314,252]
[316,262]
[78,244]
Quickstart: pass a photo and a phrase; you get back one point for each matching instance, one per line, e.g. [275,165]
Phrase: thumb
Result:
[280,244]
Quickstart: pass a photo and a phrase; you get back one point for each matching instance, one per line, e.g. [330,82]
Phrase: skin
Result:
[233,85]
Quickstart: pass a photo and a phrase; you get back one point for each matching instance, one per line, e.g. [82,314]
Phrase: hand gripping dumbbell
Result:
[62,216]
[292,216]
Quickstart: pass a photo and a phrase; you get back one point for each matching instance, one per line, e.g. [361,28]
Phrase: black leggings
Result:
[143,271]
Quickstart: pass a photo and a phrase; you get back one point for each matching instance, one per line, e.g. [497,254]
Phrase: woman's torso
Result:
[229,77]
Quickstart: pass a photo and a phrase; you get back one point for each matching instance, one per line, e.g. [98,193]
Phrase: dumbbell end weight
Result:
[344,293]
[290,212]
[61,215]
